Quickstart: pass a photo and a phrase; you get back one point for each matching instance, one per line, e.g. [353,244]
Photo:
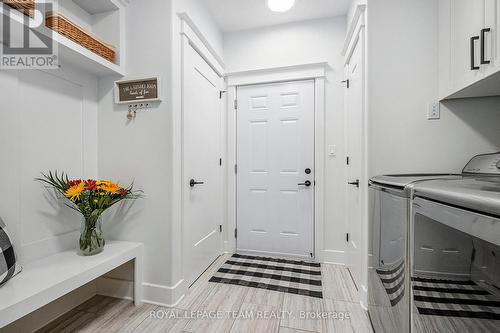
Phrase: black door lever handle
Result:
[306,183]
[192,183]
[356,183]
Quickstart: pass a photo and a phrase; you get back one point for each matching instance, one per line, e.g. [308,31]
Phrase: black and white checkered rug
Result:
[454,298]
[289,276]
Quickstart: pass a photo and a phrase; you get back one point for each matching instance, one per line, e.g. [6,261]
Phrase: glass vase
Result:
[91,237]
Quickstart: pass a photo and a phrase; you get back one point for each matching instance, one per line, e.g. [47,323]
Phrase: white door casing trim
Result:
[200,43]
[359,16]
[184,31]
[316,72]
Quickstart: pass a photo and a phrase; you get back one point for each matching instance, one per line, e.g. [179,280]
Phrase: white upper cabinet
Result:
[469,53]
[467,19]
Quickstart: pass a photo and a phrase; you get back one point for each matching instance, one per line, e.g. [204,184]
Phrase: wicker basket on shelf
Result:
[27,7]
[65,27]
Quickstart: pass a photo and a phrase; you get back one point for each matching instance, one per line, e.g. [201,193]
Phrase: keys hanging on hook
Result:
[131,114]
[132,110]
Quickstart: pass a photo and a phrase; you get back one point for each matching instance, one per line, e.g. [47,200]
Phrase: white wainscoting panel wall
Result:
[50,123]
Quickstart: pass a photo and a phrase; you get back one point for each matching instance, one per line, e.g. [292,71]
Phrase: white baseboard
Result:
[167,296]
[335,257]
[228,247]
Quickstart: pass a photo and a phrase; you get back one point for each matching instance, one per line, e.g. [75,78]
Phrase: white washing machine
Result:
[455,250]
[388,274]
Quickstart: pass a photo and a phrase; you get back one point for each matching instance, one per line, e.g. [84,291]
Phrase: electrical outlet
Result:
[434,111]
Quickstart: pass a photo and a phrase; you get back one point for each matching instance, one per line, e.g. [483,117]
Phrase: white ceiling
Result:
[232,15]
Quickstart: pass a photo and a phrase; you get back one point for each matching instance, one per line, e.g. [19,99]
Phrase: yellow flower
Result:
[108,186]
[74,191]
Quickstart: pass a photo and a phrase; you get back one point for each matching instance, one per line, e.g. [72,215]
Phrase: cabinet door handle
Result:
[473,66]
[483,46]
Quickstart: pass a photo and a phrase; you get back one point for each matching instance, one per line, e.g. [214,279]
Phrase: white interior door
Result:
[275,177]
[354,104]
[202,186]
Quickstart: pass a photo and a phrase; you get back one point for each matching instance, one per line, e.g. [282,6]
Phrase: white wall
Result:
[140,150]
[49,122]
[403,81]
[302,43]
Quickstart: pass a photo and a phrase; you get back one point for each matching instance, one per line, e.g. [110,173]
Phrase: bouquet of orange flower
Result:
[90,198]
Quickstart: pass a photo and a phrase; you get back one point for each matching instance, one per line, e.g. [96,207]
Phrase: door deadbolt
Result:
[308,171]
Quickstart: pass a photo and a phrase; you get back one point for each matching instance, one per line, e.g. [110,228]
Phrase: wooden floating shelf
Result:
[72,53]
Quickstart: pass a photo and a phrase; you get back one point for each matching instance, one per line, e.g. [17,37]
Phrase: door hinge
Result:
[235,233]
[347,83]
[236,104]
[220,161]
[220,228]
[236,168]
[222,92]
[348,160]
[347,238]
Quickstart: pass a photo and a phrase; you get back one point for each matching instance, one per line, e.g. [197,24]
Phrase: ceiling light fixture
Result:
[280,6]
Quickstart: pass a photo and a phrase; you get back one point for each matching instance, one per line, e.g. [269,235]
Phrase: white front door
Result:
[202,182]
[354,123]
[275,169]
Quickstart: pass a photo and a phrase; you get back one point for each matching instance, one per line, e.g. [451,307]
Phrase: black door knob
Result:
[192,183]
[306,183]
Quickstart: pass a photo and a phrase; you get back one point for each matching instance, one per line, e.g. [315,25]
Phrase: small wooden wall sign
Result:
[137,91]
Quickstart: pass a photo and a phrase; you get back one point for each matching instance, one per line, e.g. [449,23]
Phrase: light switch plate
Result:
[434,111]
[332,150]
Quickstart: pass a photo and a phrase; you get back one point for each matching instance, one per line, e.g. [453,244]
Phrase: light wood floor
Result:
[105,314]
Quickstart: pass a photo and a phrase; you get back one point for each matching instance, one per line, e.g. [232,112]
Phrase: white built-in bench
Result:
[45,280]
